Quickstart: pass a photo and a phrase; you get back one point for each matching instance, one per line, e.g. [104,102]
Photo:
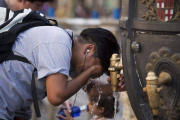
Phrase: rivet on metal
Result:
[135,47]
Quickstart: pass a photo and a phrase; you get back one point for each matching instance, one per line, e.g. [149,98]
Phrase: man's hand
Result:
[96,71]
[68,116]
[67,104]
[121,85]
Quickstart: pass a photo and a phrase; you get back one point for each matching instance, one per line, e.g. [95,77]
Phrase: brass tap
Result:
[164,78]
[115,68]
[153,90]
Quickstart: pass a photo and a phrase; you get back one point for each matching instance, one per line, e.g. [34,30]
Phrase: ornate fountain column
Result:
[151,42]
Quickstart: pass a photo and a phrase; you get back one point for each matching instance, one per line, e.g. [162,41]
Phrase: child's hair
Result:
[108,103]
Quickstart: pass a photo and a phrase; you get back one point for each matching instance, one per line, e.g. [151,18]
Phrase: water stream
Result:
[99,97]
[115,95]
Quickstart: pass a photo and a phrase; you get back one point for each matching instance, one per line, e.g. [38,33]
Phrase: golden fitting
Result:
[115,68]
[152,89]
[153,95]
[164,78]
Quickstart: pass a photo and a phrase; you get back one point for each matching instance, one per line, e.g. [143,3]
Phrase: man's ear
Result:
[101,110]
[89,48]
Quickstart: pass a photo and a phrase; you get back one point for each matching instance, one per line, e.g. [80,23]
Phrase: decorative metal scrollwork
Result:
[164,52]
[166,61]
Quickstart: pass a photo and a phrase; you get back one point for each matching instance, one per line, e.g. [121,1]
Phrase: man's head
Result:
[95,46]
[15,5]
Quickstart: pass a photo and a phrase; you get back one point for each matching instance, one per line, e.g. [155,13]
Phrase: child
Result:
[102,109]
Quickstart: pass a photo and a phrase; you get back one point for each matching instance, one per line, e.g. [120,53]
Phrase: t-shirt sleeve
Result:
[50,58]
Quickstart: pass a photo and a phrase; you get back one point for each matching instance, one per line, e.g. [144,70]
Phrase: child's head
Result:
[105,106]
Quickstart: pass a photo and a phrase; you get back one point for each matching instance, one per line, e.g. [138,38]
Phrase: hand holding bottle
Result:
[75,112]
[68,116]
[67,104]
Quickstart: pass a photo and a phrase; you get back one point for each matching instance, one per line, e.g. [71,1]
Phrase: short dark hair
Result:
[105,44]
[41,0]
[108,103]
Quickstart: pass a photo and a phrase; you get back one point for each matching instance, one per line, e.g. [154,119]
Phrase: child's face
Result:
[92,108]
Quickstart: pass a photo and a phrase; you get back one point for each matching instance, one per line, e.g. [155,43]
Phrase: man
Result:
[25,4]
[15,5]
[49,50]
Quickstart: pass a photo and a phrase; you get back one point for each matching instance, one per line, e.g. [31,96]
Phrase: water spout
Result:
[115,68]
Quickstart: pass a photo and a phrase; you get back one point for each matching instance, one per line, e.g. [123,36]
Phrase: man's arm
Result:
[59,89]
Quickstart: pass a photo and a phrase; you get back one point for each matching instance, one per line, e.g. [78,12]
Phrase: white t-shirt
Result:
[48,49]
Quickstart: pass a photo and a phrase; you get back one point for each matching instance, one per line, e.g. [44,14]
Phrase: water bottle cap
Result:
[83,108]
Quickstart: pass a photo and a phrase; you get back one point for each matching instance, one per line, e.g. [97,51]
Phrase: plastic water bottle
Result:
[75,111]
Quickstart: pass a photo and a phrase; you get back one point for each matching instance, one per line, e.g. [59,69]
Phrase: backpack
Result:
[21,20]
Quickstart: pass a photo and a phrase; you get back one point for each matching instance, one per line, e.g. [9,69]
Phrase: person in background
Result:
[81,11]
[15,5]
[101,109]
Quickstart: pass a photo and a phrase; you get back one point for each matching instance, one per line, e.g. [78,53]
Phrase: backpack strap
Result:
[7,14]
[71,36]
[10,20]
[11,56]
[34,95]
